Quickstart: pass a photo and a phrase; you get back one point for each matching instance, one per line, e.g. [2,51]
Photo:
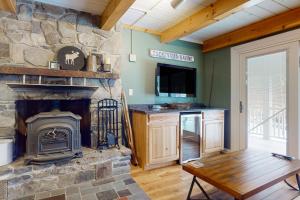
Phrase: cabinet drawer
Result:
[213,115]
[163,118]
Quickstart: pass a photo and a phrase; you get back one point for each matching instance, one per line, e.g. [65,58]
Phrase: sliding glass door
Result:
[266,102]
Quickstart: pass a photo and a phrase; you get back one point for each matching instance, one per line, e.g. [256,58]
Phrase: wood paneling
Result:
[8,5]
[113,12]
[55,73]
[269,26]
[205,17]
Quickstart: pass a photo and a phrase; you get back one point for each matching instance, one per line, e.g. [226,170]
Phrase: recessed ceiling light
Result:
[176,3]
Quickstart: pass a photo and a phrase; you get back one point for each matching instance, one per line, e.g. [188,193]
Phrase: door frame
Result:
[289,42]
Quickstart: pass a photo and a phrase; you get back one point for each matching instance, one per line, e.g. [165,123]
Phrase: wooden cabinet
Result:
[156,138]
[163,143]
[212,132]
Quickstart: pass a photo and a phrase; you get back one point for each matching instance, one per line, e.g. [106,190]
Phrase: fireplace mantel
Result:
[39,77]
[56,73]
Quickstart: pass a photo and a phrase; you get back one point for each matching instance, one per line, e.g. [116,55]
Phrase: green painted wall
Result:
[220,95]
[140,75]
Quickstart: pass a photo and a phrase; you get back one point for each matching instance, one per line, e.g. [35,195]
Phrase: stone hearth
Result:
[95,176]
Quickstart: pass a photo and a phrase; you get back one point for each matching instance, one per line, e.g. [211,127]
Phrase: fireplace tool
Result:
[108,124]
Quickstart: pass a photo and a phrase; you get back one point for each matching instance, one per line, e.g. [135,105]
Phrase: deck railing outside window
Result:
[272,127]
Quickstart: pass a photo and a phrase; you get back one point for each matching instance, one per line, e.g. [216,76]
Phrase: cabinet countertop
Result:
[145,109]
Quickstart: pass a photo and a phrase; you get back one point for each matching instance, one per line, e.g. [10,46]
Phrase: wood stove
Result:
[53,137]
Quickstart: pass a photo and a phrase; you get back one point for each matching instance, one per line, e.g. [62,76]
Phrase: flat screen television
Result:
[175,81]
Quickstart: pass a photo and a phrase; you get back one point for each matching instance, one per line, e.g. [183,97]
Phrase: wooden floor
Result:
[173,183]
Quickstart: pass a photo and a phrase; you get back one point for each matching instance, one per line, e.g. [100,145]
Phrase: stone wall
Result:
[33,36]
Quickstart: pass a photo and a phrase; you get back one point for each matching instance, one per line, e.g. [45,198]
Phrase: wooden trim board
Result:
[205,17]
[141,29]
[266,27]
[55,73]
[113,12]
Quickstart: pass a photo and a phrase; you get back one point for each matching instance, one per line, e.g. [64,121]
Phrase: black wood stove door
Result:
[54,140]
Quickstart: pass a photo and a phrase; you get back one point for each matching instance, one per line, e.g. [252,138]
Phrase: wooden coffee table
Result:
[243,174]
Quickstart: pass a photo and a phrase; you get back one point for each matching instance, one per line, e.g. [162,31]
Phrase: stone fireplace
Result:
[31,38]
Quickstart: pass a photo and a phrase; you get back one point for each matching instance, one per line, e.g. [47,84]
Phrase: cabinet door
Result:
[213,135]
[163,143]
[156,144]
[171,141]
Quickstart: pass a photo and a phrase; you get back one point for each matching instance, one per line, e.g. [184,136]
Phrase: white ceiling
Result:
[158,15]
[95,7]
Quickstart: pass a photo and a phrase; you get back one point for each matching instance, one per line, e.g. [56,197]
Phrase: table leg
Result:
[298,183]
[192,186]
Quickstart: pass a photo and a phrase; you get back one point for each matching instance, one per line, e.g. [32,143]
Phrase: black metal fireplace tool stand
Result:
[108,124]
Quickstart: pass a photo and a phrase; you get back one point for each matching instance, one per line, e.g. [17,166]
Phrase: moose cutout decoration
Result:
[71,58]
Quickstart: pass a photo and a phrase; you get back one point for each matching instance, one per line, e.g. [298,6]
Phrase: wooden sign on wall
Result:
[171,56]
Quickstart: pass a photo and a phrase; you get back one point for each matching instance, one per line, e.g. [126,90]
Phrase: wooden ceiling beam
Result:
[205,17]
[113,12]
[278,23]
[141,29]
[8,5]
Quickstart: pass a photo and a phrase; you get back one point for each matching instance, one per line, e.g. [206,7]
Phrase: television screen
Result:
[175,81]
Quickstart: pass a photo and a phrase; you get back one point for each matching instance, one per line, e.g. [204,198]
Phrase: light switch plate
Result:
[132,57]
[130,92]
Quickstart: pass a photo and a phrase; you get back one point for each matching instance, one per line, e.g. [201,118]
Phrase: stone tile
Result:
[120,164]
[18,179]
[23,170]
[84,185]
[103,181]
[106,187]
[120,185]
[123,198]
[139,196]
[31,197]
[42,195]
[126,158]
[93,189]
[107,195]
[124,193]
[3,189]
[59,197]
[129,181]
[74,197]
[122,177]
[72,190]
[4,50]
[104,170]
[85,176]
[134,188]
[58,192]
[89,197]
[121,170]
